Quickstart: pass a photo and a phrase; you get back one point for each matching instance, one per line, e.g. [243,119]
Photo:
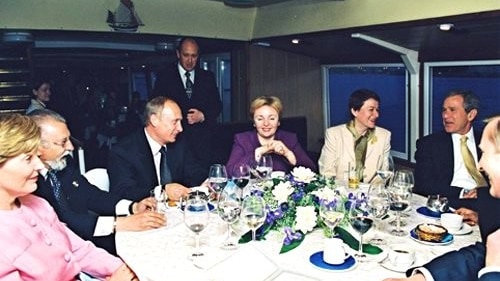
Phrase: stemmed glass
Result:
[361,221]
[229,209]
[378,203]
[264,166]
[404,178]
[241,176]
[217,178]
[196,216]
[332,212]
[385,168]
[400,196]
[253,212]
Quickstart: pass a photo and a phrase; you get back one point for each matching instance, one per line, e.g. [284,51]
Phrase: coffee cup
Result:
[334,251]
[401,256]
[452,222]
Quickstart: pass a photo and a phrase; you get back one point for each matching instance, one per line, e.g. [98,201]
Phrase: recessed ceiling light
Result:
[446,26]
[295,41]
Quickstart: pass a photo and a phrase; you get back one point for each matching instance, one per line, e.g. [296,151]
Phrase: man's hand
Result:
[195,116]
[470,217]
[142,221]
[122,273]
[175,191]
[470,194]
[493,249]
[416,277]
[145,204]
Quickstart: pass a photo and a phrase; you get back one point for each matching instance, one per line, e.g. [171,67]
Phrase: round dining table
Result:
[165,253]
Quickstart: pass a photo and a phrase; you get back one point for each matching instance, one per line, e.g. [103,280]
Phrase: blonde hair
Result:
[271,101]
[18,134]
[494,136]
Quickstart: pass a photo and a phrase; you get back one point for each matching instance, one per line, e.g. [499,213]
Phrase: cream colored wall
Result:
[213,19]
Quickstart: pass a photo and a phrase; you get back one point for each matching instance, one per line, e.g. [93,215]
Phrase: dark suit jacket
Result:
[205,97]
[86,201]
[434,167]
[131,169]
[243,151]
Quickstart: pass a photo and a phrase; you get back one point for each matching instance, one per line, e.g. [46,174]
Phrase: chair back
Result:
[98,177]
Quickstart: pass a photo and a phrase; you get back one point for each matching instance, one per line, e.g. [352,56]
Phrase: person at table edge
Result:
[359,134]
[439,165]
[480,261]
[134,163]
[91,213]
[283,146]
[35,244]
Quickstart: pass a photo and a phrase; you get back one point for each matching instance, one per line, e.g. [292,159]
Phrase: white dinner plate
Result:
[466,229]
[448,239]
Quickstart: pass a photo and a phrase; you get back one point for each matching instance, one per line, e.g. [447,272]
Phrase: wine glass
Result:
[378,203]
[400,196]
[404,178]
[229,209]
[361,221]
[241,176]
[264,166]
[332,212]
[253,212]
[217,178]
[385,168]
[196,215]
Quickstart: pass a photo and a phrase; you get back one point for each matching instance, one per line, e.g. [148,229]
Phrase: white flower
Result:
[325,193]
[302,174]
[281,191]
[305,220]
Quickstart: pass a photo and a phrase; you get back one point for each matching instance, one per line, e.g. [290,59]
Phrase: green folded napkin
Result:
[354,243]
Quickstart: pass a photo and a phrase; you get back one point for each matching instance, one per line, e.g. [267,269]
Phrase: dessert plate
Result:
[317,260]
[447,239]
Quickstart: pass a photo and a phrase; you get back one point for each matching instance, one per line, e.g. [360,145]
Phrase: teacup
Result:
[452,222]
[334,251]
[401,256]
[437,203]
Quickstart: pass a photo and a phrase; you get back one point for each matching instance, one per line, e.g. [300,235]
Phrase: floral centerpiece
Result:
[293,205]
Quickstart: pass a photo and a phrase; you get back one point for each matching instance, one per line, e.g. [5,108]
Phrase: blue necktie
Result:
[165,176]
[57,189]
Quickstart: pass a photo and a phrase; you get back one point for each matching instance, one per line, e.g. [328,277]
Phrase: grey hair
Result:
[41,115]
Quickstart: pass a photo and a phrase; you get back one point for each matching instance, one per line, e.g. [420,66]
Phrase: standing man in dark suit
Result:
[135,167]
[195,91]
[88,211]
[480,261]
[440,167]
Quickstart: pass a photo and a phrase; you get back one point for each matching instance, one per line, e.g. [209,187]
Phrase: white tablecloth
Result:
[162,254]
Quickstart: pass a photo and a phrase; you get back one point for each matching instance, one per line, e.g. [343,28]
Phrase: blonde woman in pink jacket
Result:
[35,244]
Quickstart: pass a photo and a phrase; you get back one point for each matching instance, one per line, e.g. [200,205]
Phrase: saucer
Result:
[317,260]
[424,211]
[466,229]
[447,239]
[397,268]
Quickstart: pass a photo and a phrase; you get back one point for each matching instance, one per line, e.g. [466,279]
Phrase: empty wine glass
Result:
[361,221]
[217,178]
[196,216]
[385,168]
[378,203]
[229,209]
[264,166]
[400,196]
[253,212]
[332,212]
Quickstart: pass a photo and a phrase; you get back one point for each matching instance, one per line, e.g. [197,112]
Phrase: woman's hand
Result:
[470,217]
[123,273]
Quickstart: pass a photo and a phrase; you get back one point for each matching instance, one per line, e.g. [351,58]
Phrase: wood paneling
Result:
[295,79]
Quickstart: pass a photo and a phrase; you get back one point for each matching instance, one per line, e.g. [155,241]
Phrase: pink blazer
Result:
[37,246]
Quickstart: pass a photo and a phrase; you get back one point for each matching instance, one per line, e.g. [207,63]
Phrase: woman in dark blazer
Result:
[267,138]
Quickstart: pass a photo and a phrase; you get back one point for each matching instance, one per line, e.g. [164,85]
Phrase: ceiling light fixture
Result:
[295,41]
[446,26]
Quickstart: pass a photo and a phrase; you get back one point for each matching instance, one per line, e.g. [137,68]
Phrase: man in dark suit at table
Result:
[440,165]
[195,91]
[480,261]
[155,157]
[88,211]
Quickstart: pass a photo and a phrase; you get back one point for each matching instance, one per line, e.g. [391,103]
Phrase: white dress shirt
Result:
[461,176]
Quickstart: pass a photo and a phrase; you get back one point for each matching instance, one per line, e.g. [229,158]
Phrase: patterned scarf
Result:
[360,144]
